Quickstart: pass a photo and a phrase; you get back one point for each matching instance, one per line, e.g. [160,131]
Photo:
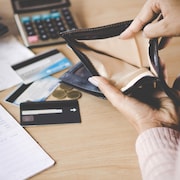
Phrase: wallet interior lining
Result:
[133,51]
[121,74]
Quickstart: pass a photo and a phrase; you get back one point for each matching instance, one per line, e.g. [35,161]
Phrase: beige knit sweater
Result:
[158,151]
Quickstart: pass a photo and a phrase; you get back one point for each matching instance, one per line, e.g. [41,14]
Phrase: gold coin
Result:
[74,94]
[60,94]
[65,87]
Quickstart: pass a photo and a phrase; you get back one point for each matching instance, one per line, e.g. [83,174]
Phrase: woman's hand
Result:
[140,115]
[168,26]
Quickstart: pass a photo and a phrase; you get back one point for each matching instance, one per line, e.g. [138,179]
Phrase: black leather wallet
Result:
[131,65]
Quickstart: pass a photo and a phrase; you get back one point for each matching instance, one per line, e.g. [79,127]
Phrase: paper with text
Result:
[20,156]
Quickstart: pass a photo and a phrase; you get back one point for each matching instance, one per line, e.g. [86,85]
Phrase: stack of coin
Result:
[66,91]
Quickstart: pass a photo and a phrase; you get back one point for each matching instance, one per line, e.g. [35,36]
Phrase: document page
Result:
[11,52]
[8,77]
[20,156]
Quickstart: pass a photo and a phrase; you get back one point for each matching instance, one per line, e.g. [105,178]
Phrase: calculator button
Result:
[52,30]
[58,19]
[44,37]
[36,18]
[33,39]
[25,19]
[68,17]
[55,15]
[40,26]
[42,31]
[29,28]
[46,17]
[59,23]
[71,24]
[47,20]
[49,25]
[28,23]
[37,22]
[31,33]
[62,28]
[65,11]
[53,10]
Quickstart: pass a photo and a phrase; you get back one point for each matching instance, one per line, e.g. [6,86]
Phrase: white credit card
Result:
[41,66]
[35,92]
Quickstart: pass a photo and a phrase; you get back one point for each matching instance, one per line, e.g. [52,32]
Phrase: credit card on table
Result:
[36,91]
[41,66]
[49,112]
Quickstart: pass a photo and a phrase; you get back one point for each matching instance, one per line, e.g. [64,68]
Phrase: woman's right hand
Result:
[168,26]
[141,115]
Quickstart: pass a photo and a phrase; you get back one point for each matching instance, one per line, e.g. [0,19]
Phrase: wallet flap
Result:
[121,73]
[133,51]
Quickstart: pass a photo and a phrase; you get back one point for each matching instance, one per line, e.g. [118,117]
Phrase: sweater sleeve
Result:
[158,151]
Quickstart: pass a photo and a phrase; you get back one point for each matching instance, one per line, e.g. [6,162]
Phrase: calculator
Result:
[40,21]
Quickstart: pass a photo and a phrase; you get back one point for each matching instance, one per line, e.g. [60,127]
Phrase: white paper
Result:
[8,77]
[12,51]
[20,156]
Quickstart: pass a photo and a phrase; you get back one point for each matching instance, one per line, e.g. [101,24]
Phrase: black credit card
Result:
[49,112]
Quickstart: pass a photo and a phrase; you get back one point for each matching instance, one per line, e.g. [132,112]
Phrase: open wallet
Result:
[132,65]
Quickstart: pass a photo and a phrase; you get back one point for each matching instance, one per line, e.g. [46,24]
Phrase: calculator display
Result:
[21,6]
[27,3]
[42,25]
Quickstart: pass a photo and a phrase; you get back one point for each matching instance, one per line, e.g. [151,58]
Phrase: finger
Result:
[145,16]
[135,27]
[158,29]
[122,102]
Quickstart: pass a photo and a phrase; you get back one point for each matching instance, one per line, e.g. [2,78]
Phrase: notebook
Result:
[21,156]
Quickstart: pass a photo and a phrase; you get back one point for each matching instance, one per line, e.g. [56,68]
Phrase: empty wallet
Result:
[132,65]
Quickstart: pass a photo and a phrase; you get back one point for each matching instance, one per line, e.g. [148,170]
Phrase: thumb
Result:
[120,101]
[113,94]
[137,113]
[157,29]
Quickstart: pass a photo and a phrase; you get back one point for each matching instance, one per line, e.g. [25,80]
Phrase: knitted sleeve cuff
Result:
[156,149]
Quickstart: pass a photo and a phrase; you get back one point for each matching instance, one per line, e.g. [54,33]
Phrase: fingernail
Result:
[93,81]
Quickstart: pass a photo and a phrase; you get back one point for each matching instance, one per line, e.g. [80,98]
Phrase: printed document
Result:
[20,156]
